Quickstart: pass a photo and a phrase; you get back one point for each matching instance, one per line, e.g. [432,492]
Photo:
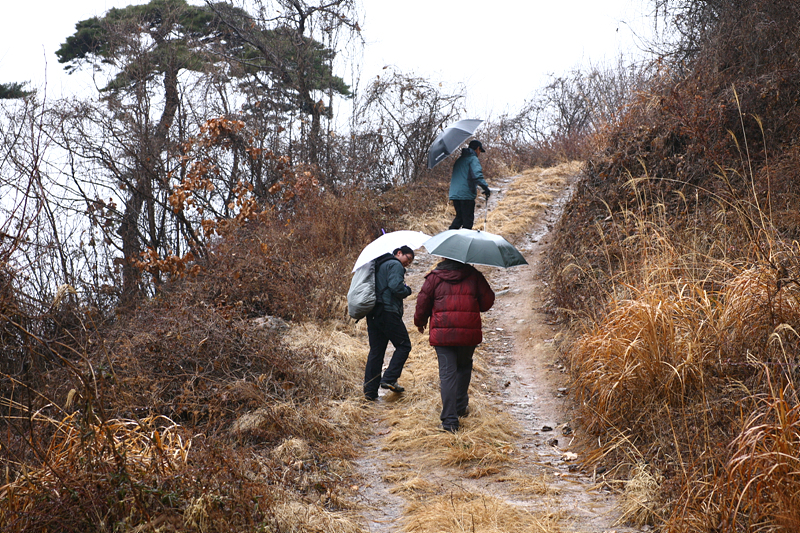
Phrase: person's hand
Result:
[487,193]
[421,329]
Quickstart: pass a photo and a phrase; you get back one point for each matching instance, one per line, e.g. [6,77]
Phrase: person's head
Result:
[405,254]
[450,264]
[476,146]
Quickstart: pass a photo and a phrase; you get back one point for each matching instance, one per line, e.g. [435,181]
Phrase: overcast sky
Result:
[501,50]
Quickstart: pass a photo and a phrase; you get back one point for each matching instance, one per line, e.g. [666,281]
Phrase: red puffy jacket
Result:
[453,296]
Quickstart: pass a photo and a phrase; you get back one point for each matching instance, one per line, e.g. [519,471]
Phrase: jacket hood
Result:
[467,151]
[452,274]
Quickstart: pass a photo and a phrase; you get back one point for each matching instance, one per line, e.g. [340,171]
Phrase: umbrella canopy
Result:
[388,242]
[450,138]
[474,247]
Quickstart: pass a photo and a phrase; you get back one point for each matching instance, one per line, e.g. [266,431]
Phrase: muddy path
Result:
[541,483]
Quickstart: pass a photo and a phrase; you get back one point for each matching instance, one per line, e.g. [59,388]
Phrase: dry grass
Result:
[764,468]
[464,511]
[485,438]
[340,349]
[151,444]
[413,486]
[676,360]
[640,503]
[300,517]
[649,349]
[541,485]
[526,199]
[762,308]
[86,458]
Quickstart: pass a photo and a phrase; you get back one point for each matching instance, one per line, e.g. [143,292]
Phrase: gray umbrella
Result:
[450,138]
[474,247]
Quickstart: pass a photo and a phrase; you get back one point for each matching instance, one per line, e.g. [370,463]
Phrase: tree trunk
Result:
[142,195]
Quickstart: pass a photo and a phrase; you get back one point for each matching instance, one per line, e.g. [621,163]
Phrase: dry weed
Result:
[541,485]
[761,310]
[648,350]
[526,198]
[338,351]
[764,469]
[463,511]
[299,517]
[483,440]
[85,460]
[641,502]
[413,486]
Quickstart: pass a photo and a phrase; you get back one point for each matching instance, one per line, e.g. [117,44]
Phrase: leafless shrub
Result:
[566,119]
[398,118]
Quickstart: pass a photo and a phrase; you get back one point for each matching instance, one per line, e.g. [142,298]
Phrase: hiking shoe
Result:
[463,413]
[370,397]
[392,386]
[448,429]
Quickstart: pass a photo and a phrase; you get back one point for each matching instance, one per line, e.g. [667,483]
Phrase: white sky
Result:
[502,50]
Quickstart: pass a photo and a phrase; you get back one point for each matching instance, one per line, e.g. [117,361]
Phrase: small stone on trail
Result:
[507,384]
[547,428]
[552,442]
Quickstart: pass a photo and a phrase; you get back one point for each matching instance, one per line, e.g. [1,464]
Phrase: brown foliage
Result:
[677,254]
[177,413]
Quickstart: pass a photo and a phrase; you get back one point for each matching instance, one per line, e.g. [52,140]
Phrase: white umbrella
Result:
[388,242]
[450,139]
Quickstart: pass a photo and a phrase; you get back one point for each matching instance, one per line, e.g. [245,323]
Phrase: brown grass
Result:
[641,503]
[676,359]
[464,511]
[484,439]
[526,199]
[764,467]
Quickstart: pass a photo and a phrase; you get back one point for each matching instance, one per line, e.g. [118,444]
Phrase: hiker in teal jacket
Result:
[467,175]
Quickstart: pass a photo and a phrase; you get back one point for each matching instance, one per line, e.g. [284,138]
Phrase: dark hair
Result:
[450,264]
[476,145]
[406,250]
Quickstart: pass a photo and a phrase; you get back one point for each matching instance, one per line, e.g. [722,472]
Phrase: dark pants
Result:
[465,214]
[386,327]
[455,373]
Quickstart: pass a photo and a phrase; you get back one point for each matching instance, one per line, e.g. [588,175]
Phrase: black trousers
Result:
[465,214]
[455,373]
[381,330]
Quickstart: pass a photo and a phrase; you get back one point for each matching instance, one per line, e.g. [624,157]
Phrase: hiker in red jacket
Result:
[453,296]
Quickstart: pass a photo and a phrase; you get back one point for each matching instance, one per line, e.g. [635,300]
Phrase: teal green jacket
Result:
[390,286]
[467,175]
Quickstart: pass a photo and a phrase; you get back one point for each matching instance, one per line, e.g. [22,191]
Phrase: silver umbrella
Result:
[474,247]
[450,139]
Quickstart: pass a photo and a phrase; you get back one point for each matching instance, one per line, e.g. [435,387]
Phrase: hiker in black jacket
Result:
[385,323]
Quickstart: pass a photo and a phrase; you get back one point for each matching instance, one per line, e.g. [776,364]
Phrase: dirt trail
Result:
[544,480]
